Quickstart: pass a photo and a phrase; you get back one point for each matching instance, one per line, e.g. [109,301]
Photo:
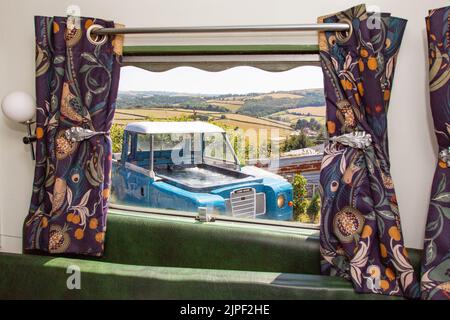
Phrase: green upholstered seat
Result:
[158,257]
[166,241]
[160,241]
[33,277]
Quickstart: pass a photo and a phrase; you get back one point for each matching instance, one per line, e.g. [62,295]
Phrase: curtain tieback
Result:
[77,134]
[444,155]
[357,139]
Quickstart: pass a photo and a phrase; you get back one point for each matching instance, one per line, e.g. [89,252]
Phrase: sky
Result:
[238,80]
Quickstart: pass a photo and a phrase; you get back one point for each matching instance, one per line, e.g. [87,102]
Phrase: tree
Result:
[313,209]
[300,194]
[202,117]
[301,124]
[298,141]
[312,124]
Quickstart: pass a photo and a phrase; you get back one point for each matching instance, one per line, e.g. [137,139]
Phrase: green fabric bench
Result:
[28,277]
[157,257]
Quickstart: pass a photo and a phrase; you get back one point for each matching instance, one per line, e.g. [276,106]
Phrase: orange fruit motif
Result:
[384,284]
[367,232]
[100,236]
[331,127]
[76,219]
[360,89]
[442,164]
[44,222]
[347,85]
[360,65]
[387,95]
[69,217]
[39,133]
[394,233]
[93,223]
[105,193]
[383,250]
[372,63]
[390,274]
[55,27]
[79,234]
[88,23]
[363,52]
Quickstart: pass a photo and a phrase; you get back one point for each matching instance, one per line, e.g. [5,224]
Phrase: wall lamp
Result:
[20,107]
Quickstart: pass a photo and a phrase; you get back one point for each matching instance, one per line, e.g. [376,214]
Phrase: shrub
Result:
[116,134]
[300,193]
[313,209]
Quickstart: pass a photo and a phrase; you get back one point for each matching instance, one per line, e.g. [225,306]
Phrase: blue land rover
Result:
[185,166]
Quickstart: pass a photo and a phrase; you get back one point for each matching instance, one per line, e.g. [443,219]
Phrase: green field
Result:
[291,116]
[244,122]
[272,110]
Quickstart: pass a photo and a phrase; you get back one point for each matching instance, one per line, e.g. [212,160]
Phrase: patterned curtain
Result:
[436,259]
[76,88]
[361,238]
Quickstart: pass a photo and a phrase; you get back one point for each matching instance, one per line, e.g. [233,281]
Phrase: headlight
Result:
[280,201]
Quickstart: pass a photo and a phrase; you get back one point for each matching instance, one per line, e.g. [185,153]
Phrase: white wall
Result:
[413,148]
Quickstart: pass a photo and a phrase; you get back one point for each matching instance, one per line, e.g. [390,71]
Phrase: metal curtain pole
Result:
[227,29]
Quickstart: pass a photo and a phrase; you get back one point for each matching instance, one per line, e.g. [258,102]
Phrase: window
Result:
[242,143]
[218,151]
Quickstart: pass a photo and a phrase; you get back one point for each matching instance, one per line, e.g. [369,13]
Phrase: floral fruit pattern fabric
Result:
[435,282]
[76,86]
[361,237]
[347,223]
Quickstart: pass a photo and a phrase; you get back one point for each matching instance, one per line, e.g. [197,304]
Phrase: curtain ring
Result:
[95,39]
[344,36]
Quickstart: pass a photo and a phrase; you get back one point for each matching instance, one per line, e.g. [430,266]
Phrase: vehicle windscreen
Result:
[187,149]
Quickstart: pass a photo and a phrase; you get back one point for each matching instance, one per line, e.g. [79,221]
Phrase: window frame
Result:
[265,57]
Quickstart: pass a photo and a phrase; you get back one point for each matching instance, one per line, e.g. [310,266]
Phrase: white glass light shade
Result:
[19,106]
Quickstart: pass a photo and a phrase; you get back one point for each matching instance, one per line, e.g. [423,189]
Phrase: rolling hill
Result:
[278,110]
[251,104]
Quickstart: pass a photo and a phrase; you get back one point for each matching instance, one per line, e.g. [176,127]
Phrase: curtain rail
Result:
[227,29]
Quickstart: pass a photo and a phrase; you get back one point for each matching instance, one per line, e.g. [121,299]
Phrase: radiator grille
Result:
[246,203]
[243,203]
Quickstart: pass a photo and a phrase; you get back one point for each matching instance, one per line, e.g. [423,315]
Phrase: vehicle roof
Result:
[149,127]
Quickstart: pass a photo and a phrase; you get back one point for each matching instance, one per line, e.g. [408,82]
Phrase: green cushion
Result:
[166,257]
[159,241]
[141,239]
[40,277]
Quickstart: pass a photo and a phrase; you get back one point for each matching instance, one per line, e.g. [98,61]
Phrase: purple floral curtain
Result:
[361,238]
[435,282]
[76,88]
